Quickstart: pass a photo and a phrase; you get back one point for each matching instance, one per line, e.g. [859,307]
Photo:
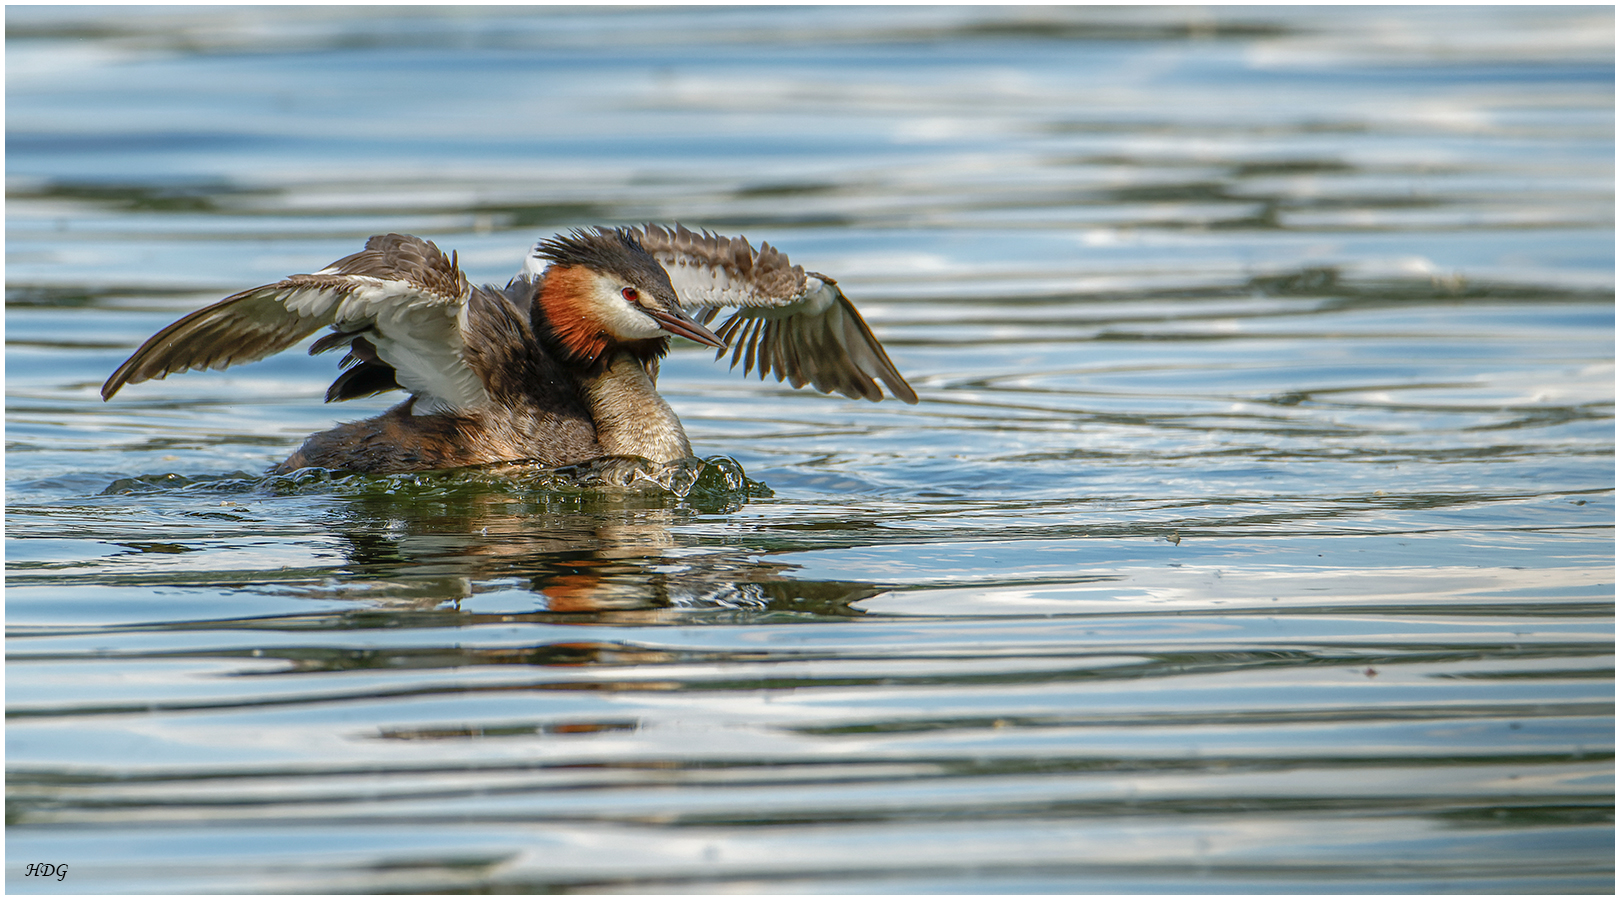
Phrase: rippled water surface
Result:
[1254,532]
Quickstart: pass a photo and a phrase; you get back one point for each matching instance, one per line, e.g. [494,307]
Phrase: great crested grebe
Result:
[556,368]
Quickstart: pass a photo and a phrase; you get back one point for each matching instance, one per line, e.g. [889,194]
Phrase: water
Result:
[1255,532]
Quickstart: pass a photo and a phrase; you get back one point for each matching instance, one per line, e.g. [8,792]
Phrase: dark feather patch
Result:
[614,250]
[362,380]
[331,341]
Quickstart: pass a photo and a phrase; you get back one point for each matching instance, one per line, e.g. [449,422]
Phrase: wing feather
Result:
[400,294]
[241,328]
[797,325]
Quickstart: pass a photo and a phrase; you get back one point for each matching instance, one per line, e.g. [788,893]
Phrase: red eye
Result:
[630,294]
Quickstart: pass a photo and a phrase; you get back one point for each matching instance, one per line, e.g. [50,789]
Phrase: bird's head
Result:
[604,291]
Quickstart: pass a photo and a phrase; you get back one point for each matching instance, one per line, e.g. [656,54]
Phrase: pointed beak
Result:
[677,322]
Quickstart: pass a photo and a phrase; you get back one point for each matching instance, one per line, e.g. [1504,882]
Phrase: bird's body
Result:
[558,367]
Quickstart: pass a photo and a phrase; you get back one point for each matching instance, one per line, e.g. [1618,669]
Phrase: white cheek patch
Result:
[620,317]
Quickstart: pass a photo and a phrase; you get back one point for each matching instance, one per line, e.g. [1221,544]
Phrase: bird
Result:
[557,368]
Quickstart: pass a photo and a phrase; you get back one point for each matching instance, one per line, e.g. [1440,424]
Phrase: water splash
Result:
[715,481]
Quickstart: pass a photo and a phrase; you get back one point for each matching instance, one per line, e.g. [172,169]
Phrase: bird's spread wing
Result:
[794,324]
[400,297]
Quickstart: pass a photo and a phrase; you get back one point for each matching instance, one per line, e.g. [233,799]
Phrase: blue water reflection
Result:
[1254,534]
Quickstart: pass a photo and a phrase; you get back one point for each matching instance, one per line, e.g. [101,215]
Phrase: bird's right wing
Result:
[794,324]
[400,294]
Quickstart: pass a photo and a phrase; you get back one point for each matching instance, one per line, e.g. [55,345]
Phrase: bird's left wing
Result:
[797,325]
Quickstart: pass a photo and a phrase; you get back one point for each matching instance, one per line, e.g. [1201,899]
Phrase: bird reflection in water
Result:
[619,555]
